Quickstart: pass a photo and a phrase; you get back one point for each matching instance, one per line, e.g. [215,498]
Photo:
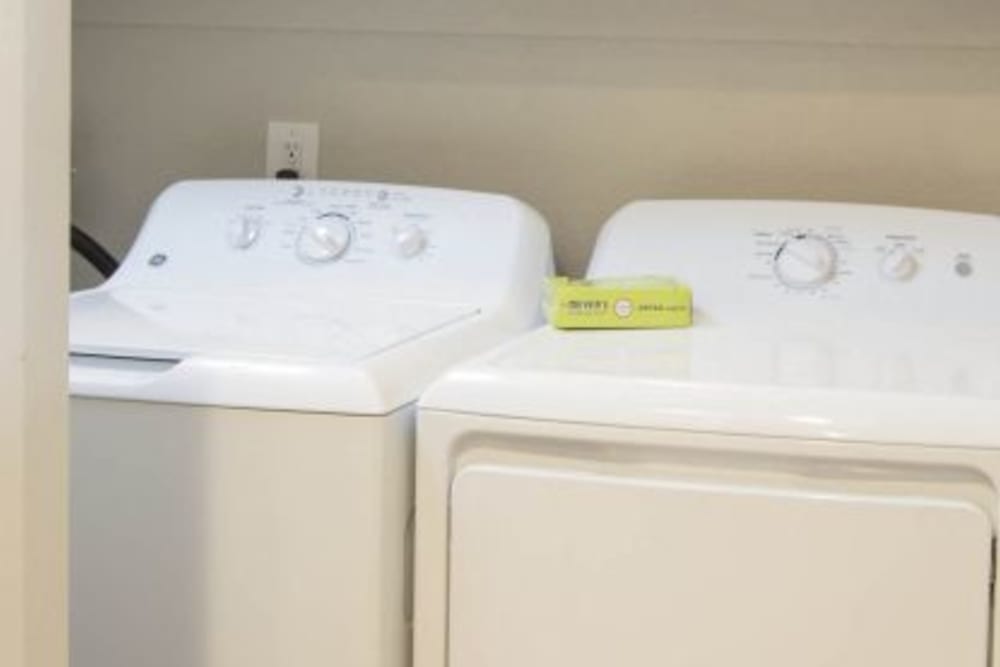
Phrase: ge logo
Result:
[623,308]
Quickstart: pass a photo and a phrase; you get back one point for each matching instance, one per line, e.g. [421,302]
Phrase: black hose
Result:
[93,252]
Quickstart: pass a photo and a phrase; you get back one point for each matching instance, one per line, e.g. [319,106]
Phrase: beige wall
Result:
[34,201]
[575,107]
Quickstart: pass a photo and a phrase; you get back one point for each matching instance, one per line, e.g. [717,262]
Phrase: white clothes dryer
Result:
[242,414]
[808,476]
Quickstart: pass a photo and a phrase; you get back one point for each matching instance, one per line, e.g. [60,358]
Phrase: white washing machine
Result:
[809,476]
[242,414]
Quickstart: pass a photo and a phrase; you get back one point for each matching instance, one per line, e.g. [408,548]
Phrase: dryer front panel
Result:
[561,567]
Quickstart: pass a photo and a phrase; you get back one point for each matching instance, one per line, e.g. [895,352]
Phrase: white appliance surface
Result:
[806,476]
[639,558]
[241,476]
[838,382]
[309,296]
[159,324]
[850,358]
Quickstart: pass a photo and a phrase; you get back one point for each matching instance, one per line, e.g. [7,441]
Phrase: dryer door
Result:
[560,568]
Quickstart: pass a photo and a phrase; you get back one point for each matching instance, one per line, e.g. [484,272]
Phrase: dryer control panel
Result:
[761,260]
[339,239]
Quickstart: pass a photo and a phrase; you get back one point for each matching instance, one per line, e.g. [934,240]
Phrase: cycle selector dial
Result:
[805,261]
[324,239]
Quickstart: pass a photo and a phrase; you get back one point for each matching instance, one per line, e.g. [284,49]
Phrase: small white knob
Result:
[244,231]
[805,261]
[899,264]
[410,240]
[324,240]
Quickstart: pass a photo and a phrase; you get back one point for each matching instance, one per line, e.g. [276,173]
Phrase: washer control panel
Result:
[345,238]
[330,234]
[766,259]
[325,223]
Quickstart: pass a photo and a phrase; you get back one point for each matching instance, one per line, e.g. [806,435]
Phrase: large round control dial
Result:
[324,239]
[805,261]
[410,240]
[899,264]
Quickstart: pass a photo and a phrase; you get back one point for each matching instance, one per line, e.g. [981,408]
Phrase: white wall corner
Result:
[34,201]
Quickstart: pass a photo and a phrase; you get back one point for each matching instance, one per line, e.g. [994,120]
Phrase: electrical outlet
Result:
[293,147]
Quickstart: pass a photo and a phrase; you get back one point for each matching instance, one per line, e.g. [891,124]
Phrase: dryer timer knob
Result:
[899,264]
[805,261]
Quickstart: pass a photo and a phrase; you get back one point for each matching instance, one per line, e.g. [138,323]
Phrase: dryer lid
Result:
[888,385]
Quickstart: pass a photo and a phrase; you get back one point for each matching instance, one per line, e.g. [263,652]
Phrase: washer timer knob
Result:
[805,261]
[898,264]
[244,231]
[325,239]
[410,240]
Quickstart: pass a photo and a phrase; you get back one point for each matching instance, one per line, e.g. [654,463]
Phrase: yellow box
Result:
[646,302]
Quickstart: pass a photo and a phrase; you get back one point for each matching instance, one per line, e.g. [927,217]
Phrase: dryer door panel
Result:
[555,568]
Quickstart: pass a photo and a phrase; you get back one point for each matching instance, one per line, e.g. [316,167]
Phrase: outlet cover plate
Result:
[295,146]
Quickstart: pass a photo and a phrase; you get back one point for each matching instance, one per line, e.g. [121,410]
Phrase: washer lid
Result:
[349,357]
[876,384]
[159,324]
